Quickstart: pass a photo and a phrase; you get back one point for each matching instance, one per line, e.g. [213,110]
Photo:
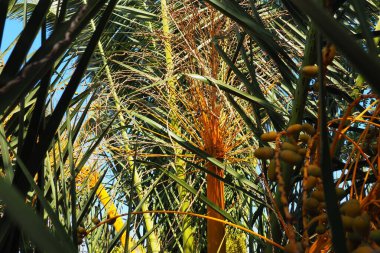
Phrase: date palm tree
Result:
[146,116]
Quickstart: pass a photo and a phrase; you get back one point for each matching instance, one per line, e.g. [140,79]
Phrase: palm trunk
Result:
[152,238]
[180,165]
[216,241]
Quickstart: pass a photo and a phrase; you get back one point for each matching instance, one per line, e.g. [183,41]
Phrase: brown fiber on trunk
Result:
[215,124]
[214,136]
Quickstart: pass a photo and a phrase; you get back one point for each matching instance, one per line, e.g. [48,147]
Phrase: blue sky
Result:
[11,31]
